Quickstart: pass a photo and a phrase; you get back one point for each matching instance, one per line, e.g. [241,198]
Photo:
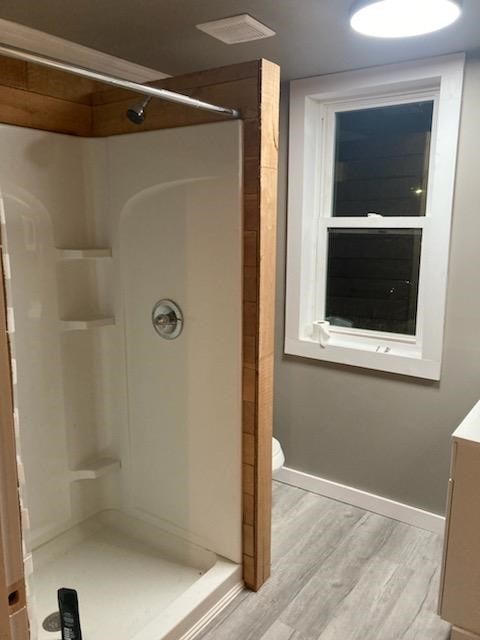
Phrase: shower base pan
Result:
[134,581]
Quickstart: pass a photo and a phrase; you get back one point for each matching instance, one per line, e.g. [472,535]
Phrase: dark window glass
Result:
[372,279]
[381,160]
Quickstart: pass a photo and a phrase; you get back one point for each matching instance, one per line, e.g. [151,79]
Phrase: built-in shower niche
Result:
[85,307]
[84,288]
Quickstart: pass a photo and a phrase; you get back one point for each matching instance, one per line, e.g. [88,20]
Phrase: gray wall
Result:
[383,433]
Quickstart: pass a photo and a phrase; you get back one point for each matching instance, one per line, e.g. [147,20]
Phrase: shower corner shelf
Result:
[96,469]
[83,325]
[83,254]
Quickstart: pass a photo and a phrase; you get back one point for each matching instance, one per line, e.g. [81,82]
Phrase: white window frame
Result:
[313,104]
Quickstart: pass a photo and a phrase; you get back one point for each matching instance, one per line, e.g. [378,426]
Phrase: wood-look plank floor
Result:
[339,573]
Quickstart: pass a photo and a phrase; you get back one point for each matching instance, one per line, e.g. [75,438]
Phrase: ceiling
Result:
[313,36]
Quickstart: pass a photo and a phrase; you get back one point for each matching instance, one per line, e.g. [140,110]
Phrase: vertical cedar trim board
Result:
[40,98]
[12,584]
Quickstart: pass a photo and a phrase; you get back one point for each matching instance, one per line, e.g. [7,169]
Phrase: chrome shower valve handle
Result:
[167,319]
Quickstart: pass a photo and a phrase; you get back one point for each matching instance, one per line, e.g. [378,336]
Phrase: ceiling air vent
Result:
[236,29]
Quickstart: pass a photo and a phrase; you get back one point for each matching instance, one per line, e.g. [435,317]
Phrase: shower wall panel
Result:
[45,199]
[175,226]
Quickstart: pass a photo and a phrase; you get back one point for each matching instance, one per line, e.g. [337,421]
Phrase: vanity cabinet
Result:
[459,601]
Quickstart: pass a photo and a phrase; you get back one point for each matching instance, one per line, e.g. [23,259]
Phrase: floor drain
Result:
[52,622]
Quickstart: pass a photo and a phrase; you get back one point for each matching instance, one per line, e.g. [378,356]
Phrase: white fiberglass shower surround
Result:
[129,443]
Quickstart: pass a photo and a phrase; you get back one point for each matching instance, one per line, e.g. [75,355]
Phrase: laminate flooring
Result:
[339,573]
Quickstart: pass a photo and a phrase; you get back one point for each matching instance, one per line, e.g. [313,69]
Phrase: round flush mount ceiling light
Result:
[402,18]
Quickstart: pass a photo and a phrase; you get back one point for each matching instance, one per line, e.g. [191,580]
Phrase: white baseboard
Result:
[362,499]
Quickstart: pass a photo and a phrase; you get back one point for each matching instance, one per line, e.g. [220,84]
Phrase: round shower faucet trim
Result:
[167,319]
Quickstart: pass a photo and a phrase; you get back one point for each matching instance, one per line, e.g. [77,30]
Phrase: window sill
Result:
[401,359]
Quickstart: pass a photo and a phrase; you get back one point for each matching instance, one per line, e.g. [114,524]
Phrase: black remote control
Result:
[69,614]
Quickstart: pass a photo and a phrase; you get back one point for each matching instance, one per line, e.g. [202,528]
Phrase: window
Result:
[371,176]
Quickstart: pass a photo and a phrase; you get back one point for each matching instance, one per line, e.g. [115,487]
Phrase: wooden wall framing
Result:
[12,584]
[32,96]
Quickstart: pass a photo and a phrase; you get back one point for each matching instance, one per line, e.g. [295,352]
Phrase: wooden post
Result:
[260,188]
[12,586]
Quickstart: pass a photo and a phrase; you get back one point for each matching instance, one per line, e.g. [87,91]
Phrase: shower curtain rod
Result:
[154,92]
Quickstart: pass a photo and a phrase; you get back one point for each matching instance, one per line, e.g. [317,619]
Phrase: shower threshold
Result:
[134,581]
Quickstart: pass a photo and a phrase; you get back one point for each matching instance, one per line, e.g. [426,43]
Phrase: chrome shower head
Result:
[136,113]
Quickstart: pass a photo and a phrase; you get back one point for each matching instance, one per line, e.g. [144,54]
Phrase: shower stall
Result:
[128,435]
[136,347]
